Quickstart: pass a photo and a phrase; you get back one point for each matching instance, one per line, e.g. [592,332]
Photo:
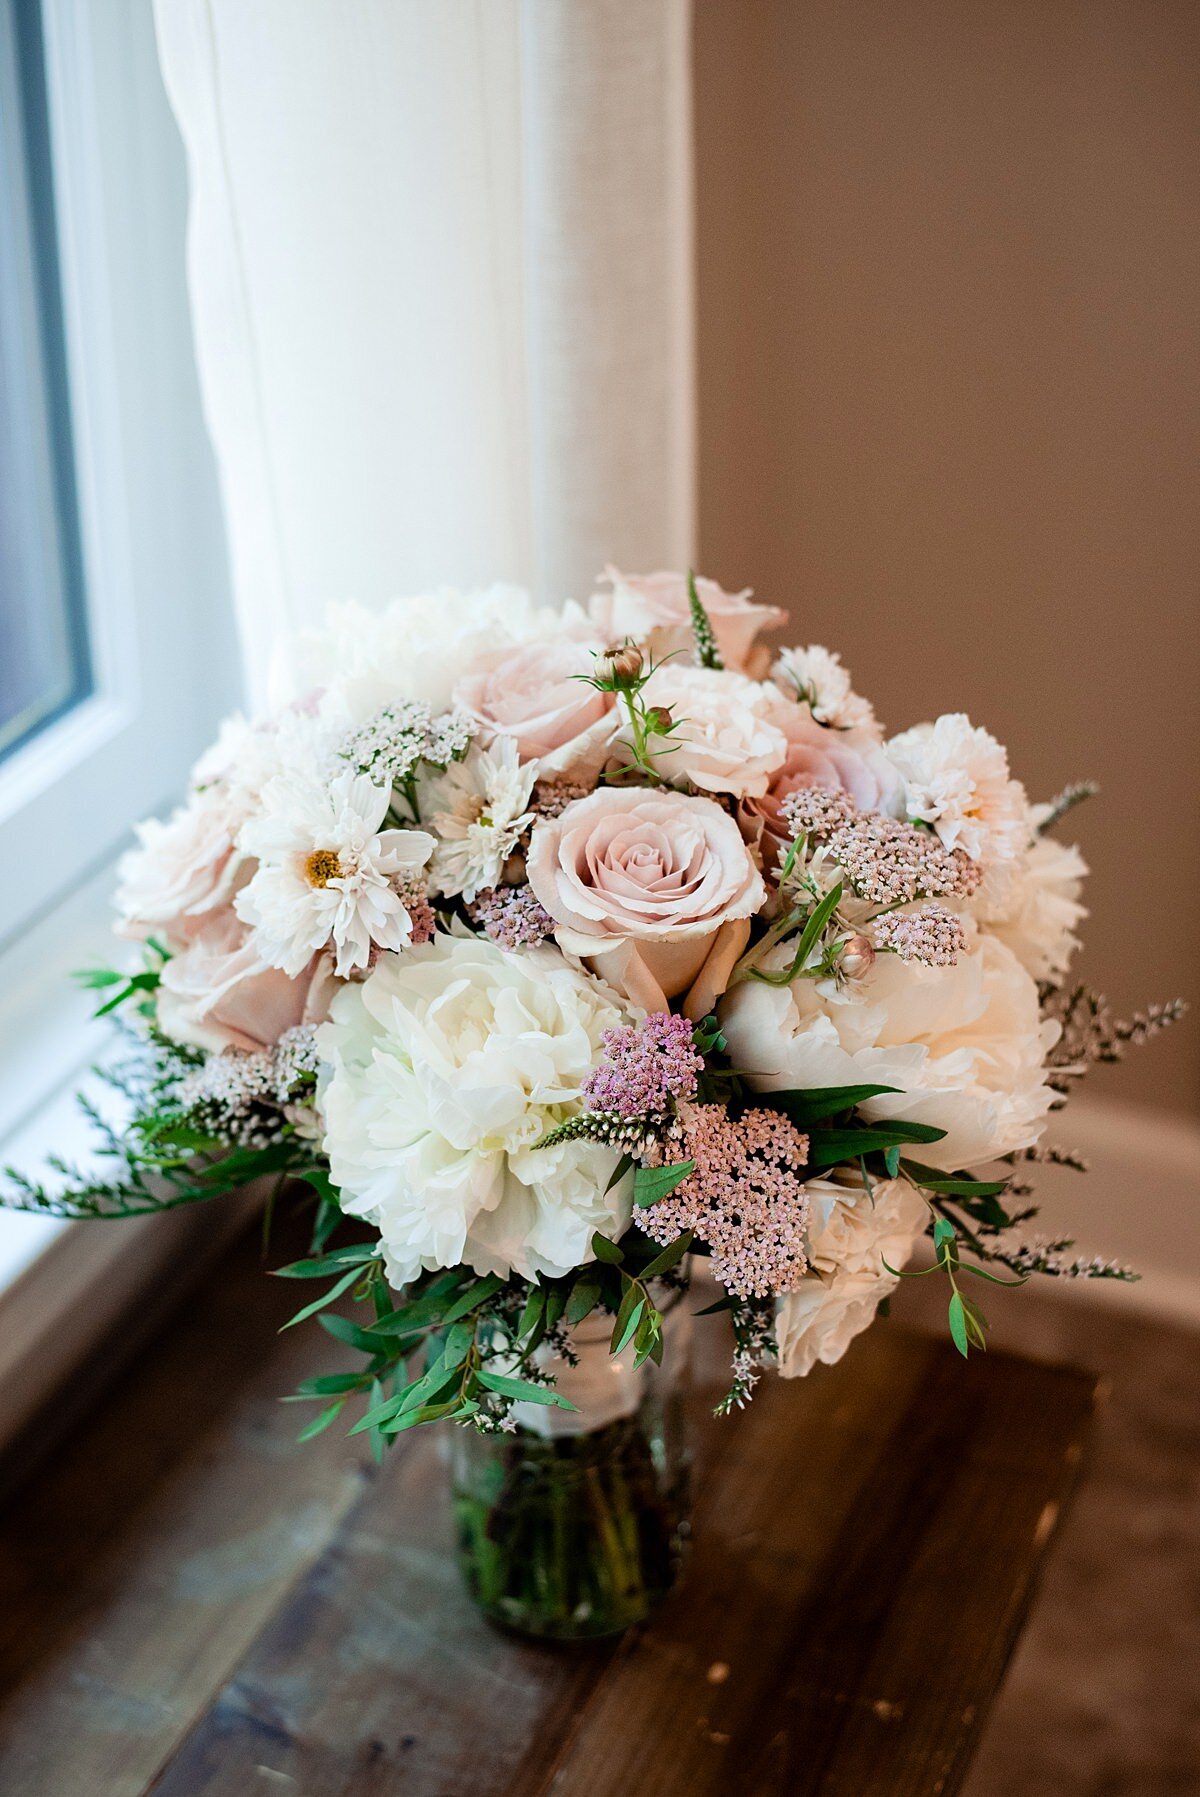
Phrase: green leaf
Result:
[669,1256]
[652,1183]
[943,1231]
[320,1423]
[632,1306]
[585,1295]
[958,1323]
[809,938]
[522,1391]
[343,1330]
[891,1160]
[828,1146]
[326,1384]
[820,1102]
[335,1291]
[710,1310]
[948,1185]
[606,1251]
[618,1173]
[556,1303]
[531,1315]
[355,1255]
[473,1297]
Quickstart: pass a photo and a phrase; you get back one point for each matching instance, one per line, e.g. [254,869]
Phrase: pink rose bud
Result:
[858,956]
[624,665]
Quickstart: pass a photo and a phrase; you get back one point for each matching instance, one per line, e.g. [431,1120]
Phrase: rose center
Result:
[322,866]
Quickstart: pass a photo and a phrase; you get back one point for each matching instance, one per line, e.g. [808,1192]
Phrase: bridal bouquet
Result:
[557,946]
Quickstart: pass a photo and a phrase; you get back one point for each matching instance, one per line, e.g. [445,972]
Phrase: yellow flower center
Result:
[321,867]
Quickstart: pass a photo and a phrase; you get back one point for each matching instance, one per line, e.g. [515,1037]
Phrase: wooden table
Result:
[195,1606]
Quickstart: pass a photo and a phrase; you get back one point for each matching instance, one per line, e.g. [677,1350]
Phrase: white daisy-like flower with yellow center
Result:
[479,809]
[328,874]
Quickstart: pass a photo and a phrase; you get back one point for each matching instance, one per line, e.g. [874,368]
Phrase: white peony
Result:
[481,809]
[816,677]
[413,648]
[327,871]
[956,778]
[442,1071]
[1038,920]
[727,739]
[854,1236]
[964,1045]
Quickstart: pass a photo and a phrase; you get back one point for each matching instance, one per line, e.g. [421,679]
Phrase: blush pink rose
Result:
[537,693]
[181,870]
[655,609]
[843,761]
[653,890]
[218,992]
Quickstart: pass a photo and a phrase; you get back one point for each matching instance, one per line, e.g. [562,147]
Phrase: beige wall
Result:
[949,261]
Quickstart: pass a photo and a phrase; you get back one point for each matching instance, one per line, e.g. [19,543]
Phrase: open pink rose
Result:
[218,992]
[181,870]
[654,609]
[843,761]
[537,694]
[654,890]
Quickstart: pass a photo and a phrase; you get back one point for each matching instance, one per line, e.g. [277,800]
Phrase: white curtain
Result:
[440,267]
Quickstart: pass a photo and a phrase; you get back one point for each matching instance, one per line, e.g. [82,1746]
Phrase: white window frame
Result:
[163,645]
[156,584]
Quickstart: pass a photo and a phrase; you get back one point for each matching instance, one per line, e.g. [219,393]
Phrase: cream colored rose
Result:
[654,890]
[655,609]
[853,1238]
[725,739]
[218,992]
[538,693]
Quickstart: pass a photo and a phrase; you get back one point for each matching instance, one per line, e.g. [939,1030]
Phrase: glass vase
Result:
[572,1526]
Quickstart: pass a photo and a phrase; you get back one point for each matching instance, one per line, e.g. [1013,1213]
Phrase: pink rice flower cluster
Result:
[891,863]
[746,1198]
[511,917]
[647,1067]
[414,896]
[930,934]
[817,810]
[551,797]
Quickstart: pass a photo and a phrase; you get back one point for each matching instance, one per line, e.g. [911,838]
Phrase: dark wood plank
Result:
[143,1561]
[866,1541]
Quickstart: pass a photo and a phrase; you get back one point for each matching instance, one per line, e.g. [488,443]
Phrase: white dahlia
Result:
[441,1072]
[413,648]
[480,811]
[1042,908]
[964,1045]
[817,678]
[853,1238]
[328,873]
[956,778]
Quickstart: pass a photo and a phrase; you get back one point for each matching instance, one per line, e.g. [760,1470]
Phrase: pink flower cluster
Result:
[511,916]
[930,934]
[746,1198]
[645,1067]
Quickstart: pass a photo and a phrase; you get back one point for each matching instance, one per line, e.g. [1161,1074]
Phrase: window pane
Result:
[44,661]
